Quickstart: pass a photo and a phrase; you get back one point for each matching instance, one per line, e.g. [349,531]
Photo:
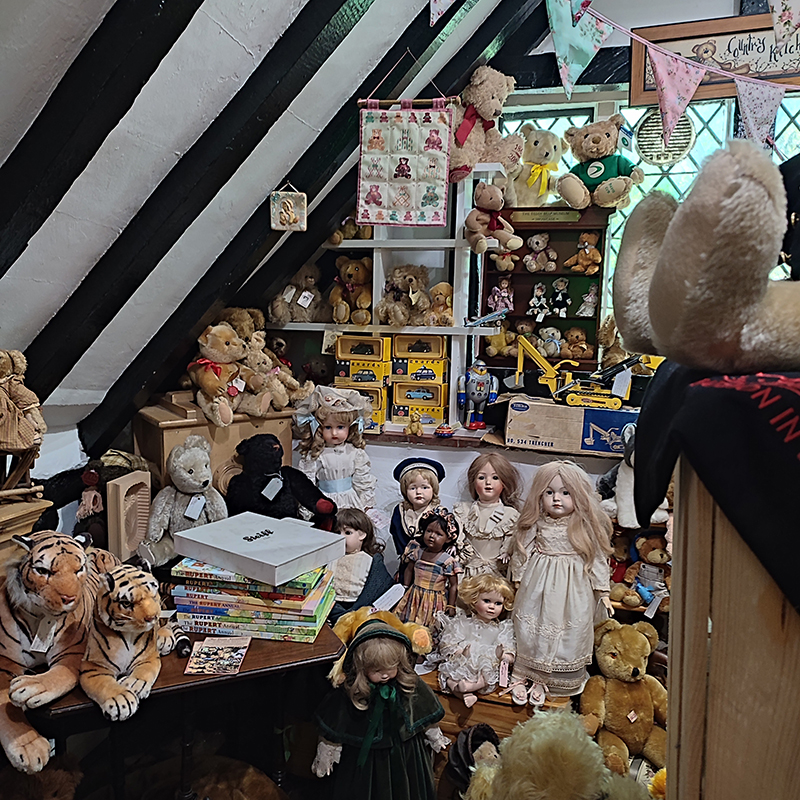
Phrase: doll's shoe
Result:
[537,694]
[519,693]
[470,700]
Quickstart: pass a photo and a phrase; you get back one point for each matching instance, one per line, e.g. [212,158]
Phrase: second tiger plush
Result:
[122,658]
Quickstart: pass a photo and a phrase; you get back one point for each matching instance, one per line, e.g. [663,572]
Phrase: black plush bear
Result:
[261,458]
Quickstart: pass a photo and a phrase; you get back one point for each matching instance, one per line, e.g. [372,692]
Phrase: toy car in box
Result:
[420,346]
[360,371]
[433,370]
[363,348]
[419,394]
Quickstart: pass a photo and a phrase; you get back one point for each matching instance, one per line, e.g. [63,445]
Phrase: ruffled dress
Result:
[554,610]
[343,473]
[428,593]
[486,534]
[481,659]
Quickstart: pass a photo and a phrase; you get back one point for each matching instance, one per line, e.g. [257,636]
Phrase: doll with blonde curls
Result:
[475,642]
[489,521]
[560,566]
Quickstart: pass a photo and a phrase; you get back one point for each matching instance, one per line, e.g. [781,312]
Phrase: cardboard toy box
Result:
[363,348]
[419,393]
[433,370]
[401,415]
[423,346]
[538,424]
[359,371]
[376,392]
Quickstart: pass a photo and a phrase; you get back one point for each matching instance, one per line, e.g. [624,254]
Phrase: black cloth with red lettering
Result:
[741,434]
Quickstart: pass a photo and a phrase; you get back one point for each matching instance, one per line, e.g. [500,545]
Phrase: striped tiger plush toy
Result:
[122,658]
[46,602]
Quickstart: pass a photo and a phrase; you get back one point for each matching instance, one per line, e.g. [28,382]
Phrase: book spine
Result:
[306,609]
[226,630]
[277,619]
[302,584]
[243,622]
[274,594]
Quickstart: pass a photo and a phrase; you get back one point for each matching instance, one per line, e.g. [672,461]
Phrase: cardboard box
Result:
[359,371]
[376,392]
[424,346]
[401,415]
[537,424]
[269,550]
[433,370]
[419,393]
[381,347]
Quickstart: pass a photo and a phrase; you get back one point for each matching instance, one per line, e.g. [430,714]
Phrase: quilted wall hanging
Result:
[404,164]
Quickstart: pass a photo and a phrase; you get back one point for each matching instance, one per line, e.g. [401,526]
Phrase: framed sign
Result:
[740,45]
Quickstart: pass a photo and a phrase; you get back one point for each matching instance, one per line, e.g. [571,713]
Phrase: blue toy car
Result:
[364,376]
[419,394]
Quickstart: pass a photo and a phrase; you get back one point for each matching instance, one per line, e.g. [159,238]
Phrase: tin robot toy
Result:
[476,388]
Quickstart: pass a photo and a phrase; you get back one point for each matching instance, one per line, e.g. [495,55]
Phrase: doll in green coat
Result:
[378,731]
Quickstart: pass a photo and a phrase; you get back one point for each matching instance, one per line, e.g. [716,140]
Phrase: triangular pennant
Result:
[575,45]
[438,7]
[578,9]
[785,19]
[758,105]
[676,83]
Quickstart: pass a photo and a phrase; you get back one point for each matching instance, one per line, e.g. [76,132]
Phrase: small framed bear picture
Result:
[288,210]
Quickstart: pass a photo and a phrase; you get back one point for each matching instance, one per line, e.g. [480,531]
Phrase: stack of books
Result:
[217,601]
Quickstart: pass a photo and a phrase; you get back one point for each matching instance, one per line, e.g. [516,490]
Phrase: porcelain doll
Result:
[359,576]
[537,305]
[431,572]
[419,480]
[560,300]
[588,307]
[502,296]
[559,564]
[378,731]
[487,524]
[474,643]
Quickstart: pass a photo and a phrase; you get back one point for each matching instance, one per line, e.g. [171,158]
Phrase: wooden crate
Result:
[17,519]
[734,716]
[157,429]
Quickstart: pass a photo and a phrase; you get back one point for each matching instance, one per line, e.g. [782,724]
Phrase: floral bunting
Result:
[676,82]
[575,44]
[438,7]
[758,105]
[785,19]
[579,9]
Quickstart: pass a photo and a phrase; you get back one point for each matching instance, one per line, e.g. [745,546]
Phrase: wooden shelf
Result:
[397,244]
[483,330]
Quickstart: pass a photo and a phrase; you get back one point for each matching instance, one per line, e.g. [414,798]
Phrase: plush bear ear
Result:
[340,261]
[367,262]
[203,338]
[480,76]
[649,633]
[617,119]
[243,448]
[606,627]
[569,135]
[511,83]
[564,145]
[526,129]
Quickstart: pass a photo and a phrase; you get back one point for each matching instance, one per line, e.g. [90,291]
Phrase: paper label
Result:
[503,674]
[167,613]
[288,293]
[239,384]
[272,488]
[195,507]
[44,635]
[621,383]
[328,342]
[633,716]
[304,301]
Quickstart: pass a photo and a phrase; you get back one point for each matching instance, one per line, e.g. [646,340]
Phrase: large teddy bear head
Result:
[245,321]
[595,140]
[261,454]
[220,344]
[652,548]
[357,271]
[410,278]
[622,650]
[488,90]
[541,147]
[189,465]
[488,196]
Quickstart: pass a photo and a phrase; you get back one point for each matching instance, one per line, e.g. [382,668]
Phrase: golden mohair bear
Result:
[350,229]
[441,310]
[300,301]
[588,258]
[503,343]
[351,297]
[405,298]
[626,707]
[532,182]
[575,344]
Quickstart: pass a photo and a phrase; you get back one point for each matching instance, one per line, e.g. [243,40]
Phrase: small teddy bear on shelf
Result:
[405,300]
[575,344]
[532,182]
[301,300]
[587,259]
[503,343]
[414,427]
[504,262]
[551,342]
[542,257]
[351,297]
[485,220]
[441,310]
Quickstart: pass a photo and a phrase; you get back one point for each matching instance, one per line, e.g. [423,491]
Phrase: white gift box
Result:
[262,548]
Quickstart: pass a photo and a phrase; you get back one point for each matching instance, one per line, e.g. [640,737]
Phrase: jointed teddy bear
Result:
[352,295]
[588,258]
[405,298]
[625,706]
[575,344]
[502,343]
[414,427]
[524,328]
[542,257]
[225,385]
[485,220]
[551,342]
[441,310]
[504,262]
[350,229]
[652,572]
[532,182]
[608,340]
[189,501]
[301,300]
[22,425]
[601,176]
[475,137]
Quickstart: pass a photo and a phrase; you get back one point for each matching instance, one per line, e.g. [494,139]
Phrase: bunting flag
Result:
[438,7]
[575,44]
[785,19]
[579,9]
[676,82]
[758,105]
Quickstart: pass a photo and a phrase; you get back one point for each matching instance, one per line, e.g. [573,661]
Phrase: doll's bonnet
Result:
[369,630]
[335,399]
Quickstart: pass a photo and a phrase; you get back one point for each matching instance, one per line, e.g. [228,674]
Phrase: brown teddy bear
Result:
[22,425]
[441,310]
[485,220]
[414,427]
[587,260]
[301,300]
[475,136]
[611,346]
[542,257]
[601,176]
[575,345]
[504,262]
[223,384]
[352,295]
[626,707]
[551,342]
[646,575]
[350,229]
[405,298]
[532,182]
[502,343]
[524,328]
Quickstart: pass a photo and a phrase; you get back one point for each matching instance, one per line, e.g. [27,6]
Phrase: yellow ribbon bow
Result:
[540,171]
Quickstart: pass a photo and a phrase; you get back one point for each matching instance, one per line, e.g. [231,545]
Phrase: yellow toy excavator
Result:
[550,376]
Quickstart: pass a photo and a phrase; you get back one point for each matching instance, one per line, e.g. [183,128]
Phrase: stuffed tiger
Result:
[46,601]
[122,658]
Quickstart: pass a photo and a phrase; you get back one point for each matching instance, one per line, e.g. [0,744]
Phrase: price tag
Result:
[239,384]
[304,301]
[650,575]
[503,674]
[288,293]
[272,488]
[195,507]
[44,635]
[632,716]
[329,342]
[621,383]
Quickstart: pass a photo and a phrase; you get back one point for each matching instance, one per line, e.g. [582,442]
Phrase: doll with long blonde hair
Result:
[560,566]
[489,521]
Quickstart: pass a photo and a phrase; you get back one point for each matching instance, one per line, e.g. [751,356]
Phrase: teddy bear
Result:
[624,706]
[300,301]
[405,298]
[551,342]
[524,328]
[542,257]
[485,220]
[608,340]
[504,262]
[414,427]
[257,359]
[532,182]
[350,229]
[352,295]
[189,501]
[575,345]
[587,259]
[223,384]
[265,486]
[22,424]
[618,563]
[652,573]
[601,176]
[502,343]
[441,310]
[475,137]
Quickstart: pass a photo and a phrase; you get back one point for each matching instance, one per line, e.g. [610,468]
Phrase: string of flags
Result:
[579,31]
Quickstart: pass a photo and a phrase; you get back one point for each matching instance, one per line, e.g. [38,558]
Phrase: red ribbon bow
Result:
[494,218]
[208,364]
[471,116]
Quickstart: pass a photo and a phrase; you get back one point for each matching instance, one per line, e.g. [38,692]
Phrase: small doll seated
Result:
[375,731]
[431,572]
[474,644]
[359,576]
[419,480]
